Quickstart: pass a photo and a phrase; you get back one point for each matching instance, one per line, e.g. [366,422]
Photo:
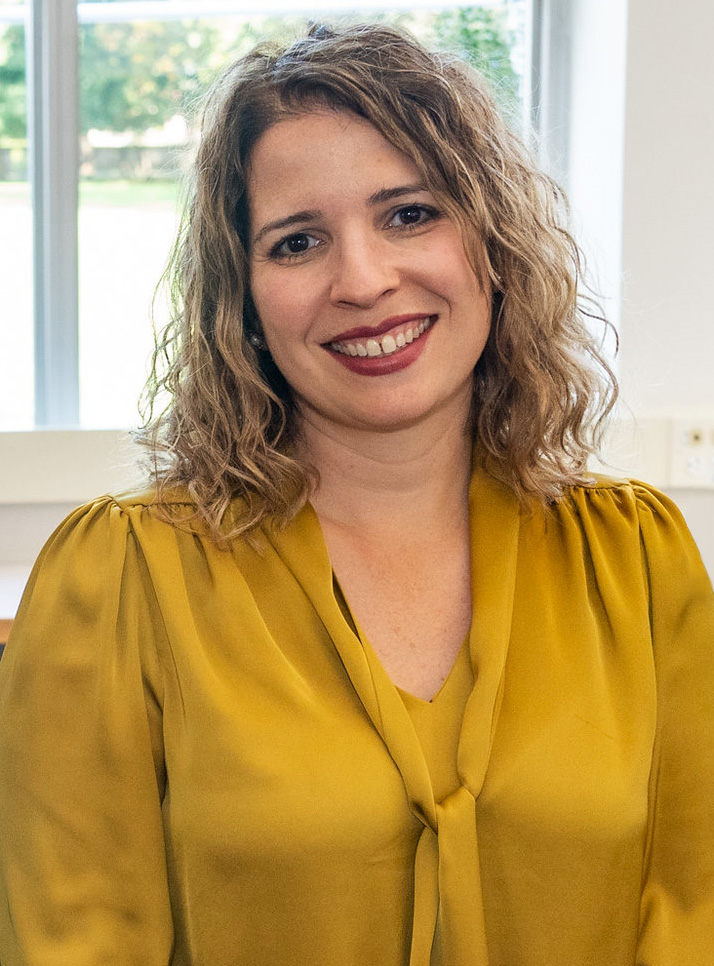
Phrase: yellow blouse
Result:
[201,763]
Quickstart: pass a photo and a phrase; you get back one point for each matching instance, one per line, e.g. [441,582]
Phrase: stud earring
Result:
[257,341]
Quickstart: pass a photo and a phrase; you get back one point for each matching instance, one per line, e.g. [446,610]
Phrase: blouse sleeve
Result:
[677,908]
[82,861]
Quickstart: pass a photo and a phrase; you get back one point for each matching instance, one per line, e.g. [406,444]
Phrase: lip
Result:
[370,332]
[384,365]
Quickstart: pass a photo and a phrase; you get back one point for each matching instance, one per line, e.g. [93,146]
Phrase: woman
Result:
[376,673]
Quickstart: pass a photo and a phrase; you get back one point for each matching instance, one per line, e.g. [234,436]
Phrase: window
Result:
[16,307]
[112,92]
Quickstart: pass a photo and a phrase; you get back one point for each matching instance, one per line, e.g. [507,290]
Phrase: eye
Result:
[410,216]
[293,246]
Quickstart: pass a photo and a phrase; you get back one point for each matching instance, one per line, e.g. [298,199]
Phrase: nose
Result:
[363,271]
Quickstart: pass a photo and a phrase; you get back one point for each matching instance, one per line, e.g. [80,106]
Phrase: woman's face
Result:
[366,297]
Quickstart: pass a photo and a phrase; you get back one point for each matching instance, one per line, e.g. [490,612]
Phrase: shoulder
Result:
[142,532]
[613,499]
[129,511]
[614,487]
[97,538]
[626,517]
[147,497]
[618,519]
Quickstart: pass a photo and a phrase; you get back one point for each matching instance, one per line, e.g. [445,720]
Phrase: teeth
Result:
[384,347]
[373,348]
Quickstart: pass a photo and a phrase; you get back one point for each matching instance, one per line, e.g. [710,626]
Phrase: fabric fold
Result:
[461,920]
[426,898]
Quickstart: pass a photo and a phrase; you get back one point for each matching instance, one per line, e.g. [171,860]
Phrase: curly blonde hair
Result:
[542,386]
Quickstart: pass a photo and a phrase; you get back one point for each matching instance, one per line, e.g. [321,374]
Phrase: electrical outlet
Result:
[692,453]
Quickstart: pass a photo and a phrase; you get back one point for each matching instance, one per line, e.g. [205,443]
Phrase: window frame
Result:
[53,109]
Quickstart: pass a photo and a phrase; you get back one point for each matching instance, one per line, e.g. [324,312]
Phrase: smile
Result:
[385,345]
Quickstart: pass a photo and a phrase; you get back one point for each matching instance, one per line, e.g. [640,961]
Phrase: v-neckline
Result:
[351,619]
[446,685]
[494,518]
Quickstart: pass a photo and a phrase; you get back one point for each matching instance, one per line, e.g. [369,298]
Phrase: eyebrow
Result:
[378,198]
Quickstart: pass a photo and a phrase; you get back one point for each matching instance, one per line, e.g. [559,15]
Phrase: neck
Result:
[393,483]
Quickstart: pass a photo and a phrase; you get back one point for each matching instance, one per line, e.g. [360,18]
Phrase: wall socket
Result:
[692,453]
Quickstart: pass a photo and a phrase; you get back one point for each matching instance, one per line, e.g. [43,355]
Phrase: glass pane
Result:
[140,81]
[133,77]
[16,308]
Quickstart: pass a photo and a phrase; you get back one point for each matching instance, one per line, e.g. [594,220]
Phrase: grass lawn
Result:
[125,231]
[123,194]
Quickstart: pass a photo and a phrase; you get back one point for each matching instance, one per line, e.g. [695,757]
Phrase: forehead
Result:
[320,157]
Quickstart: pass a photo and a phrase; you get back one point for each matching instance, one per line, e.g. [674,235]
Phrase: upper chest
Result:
[413,603]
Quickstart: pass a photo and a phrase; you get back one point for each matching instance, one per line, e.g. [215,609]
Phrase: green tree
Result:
[13,106]
[139,75]
[480,35]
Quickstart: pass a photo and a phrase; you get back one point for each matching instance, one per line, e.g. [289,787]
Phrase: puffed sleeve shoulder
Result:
[677,908]
[82,862]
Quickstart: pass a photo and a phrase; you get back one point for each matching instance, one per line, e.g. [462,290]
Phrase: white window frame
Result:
[53,107]
[550,87]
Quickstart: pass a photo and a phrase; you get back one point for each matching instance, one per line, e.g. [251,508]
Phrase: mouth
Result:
[399,335]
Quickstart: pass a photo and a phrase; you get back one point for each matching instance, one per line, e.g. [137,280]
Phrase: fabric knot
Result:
[447,887]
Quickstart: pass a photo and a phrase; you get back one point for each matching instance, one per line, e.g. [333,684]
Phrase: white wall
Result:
[642,185]
[44,475]
[667,358]
[668,216]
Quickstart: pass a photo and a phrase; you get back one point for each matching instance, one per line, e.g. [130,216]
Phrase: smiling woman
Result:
[541,386]
[374,672]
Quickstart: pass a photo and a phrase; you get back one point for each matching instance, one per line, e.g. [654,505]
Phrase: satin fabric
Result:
[202,763]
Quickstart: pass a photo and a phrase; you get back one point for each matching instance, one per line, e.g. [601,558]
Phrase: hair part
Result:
[542,386]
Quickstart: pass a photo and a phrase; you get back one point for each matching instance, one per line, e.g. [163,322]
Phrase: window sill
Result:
[66,466]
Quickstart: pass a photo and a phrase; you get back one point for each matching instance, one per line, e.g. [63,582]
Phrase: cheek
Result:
[449,268]
[271,303]
[282,305]
[476,310]
[260,290]
[468,294]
